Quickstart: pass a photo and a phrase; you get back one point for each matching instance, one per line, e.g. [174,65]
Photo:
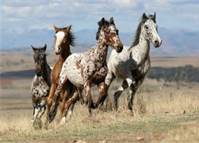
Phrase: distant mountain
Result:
[175,43]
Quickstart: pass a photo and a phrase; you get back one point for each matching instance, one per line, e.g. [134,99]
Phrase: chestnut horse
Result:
[63,40]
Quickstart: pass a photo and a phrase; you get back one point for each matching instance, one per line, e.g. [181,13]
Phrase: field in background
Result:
[16,61]
[163,112]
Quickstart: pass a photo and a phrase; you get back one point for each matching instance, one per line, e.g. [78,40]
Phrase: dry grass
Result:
[162,114]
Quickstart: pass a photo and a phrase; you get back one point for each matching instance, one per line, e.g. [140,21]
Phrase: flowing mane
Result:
[71,38]
[137,33]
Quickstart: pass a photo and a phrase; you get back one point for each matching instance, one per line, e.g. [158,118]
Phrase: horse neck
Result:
[141,50]
[46,73]
[64,53]
[101,51]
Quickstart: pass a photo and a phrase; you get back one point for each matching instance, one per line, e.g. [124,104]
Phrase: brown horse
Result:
[63,40]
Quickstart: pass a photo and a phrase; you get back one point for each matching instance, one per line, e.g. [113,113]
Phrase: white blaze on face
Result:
[59,38]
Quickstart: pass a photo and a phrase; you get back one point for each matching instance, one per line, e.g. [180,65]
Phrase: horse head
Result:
[39,59]
[63,38]
[150,29]
[109,34]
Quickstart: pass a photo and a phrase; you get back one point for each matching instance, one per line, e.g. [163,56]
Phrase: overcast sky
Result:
[23,15]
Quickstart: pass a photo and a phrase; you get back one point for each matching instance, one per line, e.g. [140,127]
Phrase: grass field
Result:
[164,113]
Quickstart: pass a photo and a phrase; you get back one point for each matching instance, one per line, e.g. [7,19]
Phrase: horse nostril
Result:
[156,42]
[120,48]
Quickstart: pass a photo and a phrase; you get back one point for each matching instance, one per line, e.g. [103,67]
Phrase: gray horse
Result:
[40,84]
[132,64]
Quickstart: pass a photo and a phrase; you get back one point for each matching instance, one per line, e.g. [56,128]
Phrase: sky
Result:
[22,16]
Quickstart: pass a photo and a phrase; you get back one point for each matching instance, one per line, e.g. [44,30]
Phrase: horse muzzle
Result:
[119,48]
[57,51]
[157,44]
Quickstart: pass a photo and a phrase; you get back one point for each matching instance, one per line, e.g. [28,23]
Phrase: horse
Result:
[132,64]
[88,68]
[64,39]
[40,84]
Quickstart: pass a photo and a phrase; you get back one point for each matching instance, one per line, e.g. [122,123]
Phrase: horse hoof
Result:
[93,105]
[51,116]
[46,125]
[131,113]
[62,121]
[37,124]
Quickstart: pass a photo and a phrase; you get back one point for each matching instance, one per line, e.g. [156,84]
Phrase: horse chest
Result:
[39,87]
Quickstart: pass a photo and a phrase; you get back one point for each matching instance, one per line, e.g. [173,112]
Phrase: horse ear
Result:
[55,28]
[154,17]
[112,21]
[33,48]
[101,22]
[144,16]
[69,27]
[45,46]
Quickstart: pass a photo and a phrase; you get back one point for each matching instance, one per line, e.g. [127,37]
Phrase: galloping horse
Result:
[85,69]
[63,40]
[132,64]
[40,84]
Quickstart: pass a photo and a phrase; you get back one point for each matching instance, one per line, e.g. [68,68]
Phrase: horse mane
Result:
[138,30]
[137,33]
[71,38]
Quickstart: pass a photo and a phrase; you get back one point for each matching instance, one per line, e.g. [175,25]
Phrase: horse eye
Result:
[146,27]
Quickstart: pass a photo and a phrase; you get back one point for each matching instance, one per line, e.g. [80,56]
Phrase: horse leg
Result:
[53,110]
[134,88]
[70,111]
[102,94]
[88,96]
[67,95]
[103,89]
[43,109]
[50,98]
[55,102]
[118,93]
[132,91]
[36,116]
[69,106]
[35,112]
[42,106]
